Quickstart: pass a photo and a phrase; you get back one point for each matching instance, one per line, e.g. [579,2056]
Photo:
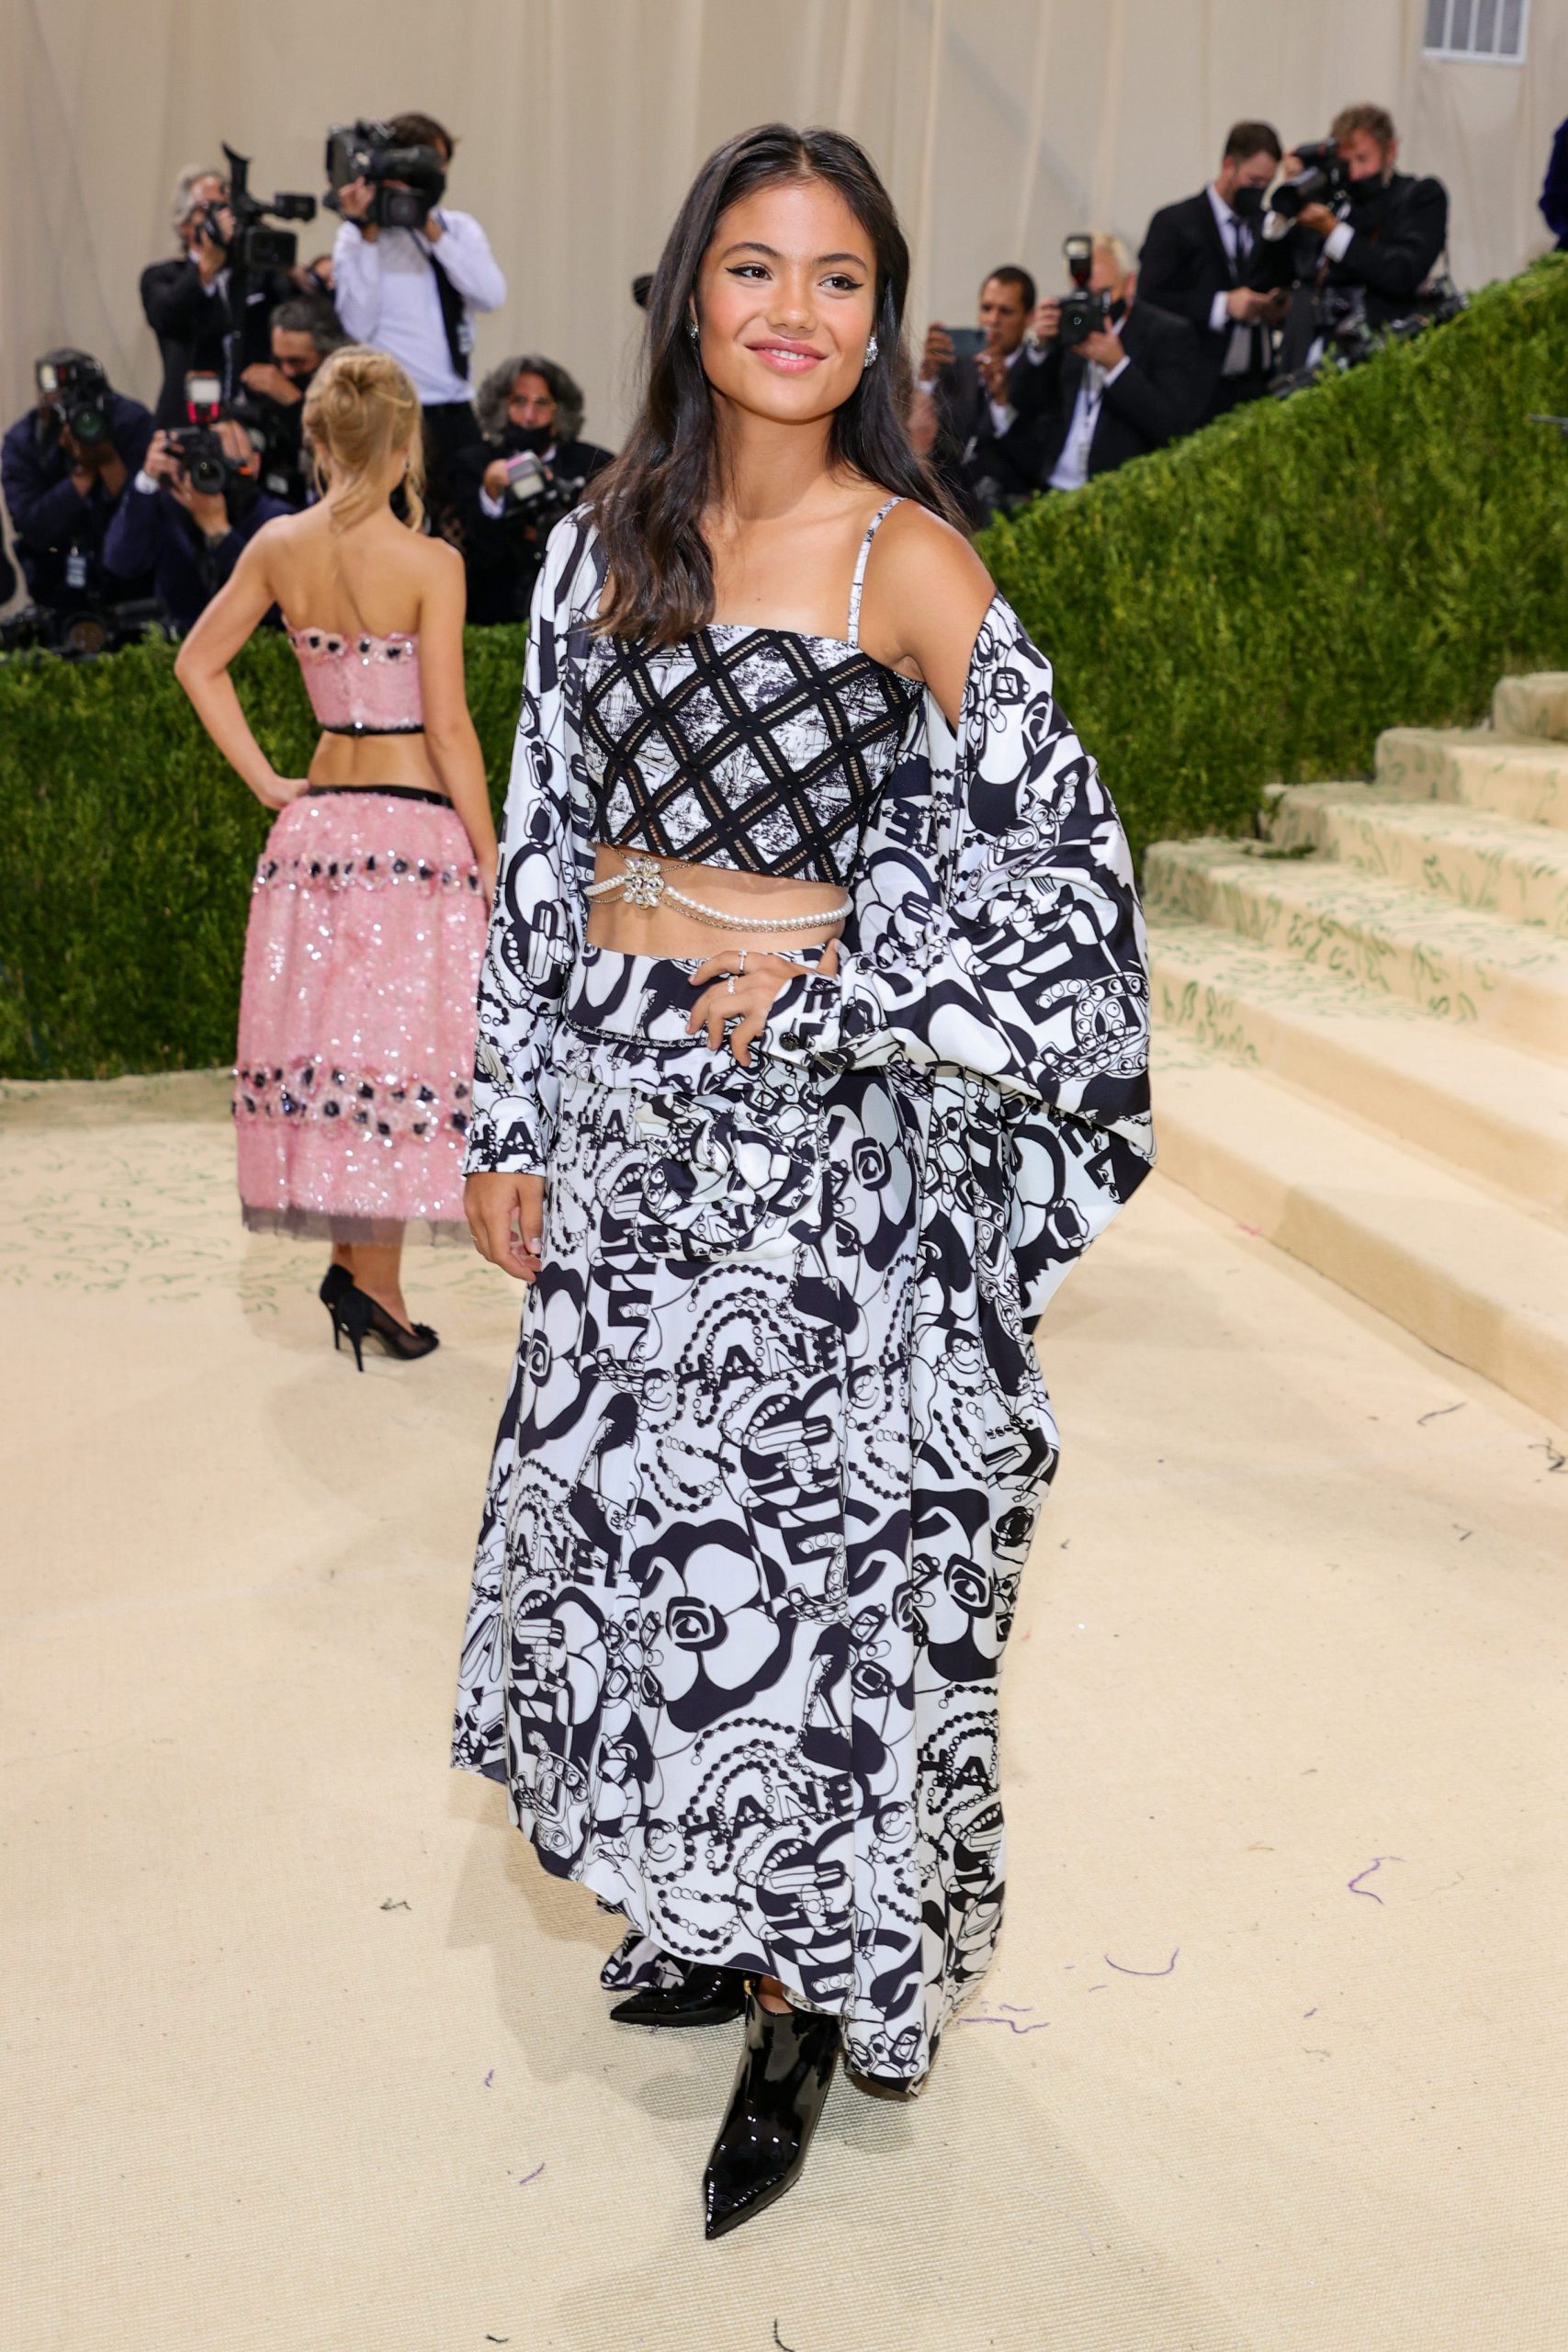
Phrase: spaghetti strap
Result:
[859,580]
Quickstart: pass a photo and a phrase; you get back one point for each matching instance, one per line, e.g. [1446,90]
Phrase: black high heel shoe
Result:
[336,1283]
[781,2087]
[364,1318]
[703,1997]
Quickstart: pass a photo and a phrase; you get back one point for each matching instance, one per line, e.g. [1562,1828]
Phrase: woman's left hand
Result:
[739,985]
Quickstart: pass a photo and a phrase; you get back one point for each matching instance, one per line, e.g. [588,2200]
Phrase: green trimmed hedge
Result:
[127,848]
[1255,604]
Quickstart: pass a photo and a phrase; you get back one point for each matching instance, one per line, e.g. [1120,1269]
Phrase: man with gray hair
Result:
[531,466]
[186,301]
[1127,387]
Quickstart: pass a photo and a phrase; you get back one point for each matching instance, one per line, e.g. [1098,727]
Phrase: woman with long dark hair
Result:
[812,1050]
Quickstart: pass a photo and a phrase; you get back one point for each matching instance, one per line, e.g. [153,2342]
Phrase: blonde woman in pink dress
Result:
[368,918]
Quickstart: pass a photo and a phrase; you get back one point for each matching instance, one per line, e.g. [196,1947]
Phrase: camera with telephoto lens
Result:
[204,462]
[1082,312]
[251,243]
[1323,178]
[366,150]
[77,394]
[533,492]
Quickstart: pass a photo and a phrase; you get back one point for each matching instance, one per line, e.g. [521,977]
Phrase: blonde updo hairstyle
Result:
[360,412]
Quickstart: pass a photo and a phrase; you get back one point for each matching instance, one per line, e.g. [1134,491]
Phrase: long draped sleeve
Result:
[535,922]
[1010,950]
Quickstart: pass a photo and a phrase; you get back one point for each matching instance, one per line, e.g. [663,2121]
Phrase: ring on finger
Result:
[729,984]
[743,960]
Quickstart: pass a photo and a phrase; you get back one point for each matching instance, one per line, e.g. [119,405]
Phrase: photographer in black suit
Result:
[1129,387]
[64,467]
[1370,250]
[186,301]
[976,415]
[1196,263]
[528,408]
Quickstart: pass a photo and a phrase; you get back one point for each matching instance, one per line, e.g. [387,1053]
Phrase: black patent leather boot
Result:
[703,1997]
[781,2087]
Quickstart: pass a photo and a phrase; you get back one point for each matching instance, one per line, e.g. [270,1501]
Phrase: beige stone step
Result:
[1469,857]
[1476,1278]
[1507,978]
[1493,1112]
[1537,705]
[1525,781]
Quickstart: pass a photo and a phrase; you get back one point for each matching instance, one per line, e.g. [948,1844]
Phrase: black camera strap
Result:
[454,317]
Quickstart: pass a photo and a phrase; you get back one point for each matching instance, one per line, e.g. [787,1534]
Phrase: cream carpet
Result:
[304,2052]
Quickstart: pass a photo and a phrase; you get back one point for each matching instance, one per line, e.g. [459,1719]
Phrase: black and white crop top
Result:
[762,749]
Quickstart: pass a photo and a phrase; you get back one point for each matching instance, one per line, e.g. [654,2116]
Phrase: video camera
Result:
[364,151]
[251,243]
[1323,178]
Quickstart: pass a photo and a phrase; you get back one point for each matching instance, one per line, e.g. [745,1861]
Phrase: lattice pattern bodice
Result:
[762,749]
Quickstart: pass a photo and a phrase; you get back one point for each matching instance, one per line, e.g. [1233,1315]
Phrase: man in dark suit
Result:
[61,492]
[1127,389]
[1196,263]
[527,406]
[978,418]
[188,539]
[1373,254]
[185,301]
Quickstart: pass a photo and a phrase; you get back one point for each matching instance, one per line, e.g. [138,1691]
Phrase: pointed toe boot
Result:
[781,2087]
[703,1997]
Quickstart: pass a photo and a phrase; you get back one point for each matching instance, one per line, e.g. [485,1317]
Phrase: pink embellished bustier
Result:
[361,685]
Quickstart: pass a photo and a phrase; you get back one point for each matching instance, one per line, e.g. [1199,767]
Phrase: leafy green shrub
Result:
[1257,603]
[127,848]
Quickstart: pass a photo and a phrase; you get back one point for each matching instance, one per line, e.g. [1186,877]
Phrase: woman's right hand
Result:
[278,791]
[506,1217]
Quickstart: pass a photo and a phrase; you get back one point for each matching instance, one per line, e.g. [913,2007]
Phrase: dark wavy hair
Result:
[491,400]
[648,505]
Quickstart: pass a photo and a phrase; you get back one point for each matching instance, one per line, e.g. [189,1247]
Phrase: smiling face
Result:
[786,297]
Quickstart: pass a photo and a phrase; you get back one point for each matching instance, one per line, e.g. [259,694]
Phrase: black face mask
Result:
[1247,203]
[537,437]
[1368,192]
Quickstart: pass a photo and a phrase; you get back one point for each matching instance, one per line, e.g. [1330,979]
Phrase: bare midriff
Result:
[371,760]
[755,901]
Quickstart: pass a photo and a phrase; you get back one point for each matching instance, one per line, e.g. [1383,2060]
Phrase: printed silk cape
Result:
[994,971]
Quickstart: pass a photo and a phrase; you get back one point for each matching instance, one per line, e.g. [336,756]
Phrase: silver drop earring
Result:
[694,330]
[870,353]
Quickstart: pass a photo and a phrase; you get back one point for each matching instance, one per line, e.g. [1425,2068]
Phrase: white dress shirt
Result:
[1071,469]
[385,293]
[1236,238]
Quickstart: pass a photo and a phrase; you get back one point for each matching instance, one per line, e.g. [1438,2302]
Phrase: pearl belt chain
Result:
[646,883]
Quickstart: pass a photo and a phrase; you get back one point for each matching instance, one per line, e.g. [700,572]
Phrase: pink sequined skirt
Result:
[356,1019]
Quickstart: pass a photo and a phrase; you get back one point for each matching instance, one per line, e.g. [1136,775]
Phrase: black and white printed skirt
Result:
[725,1685]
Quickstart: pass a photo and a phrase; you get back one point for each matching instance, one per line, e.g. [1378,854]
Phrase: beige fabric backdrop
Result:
[1000,124]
